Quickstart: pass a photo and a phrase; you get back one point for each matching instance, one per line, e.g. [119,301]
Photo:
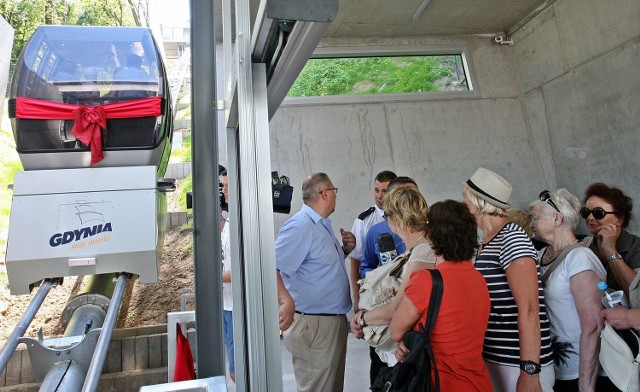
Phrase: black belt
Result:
[319,314]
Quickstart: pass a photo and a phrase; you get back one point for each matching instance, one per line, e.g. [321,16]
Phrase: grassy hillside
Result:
[9,164]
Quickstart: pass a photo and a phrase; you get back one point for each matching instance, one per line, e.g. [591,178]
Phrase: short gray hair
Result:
[568,205]
[312,186]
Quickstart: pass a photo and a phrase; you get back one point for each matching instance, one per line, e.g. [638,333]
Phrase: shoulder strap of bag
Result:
[437,287]
[398,264]
[559,260]
[434,303]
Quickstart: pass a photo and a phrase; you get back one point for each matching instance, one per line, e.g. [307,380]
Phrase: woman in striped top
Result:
[517,344]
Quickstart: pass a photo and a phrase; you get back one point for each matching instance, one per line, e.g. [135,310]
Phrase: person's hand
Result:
[356,299]
[620,317]
[348,241]
[607,237]
[285,313]
[401,351]
[527,383]
[356,329]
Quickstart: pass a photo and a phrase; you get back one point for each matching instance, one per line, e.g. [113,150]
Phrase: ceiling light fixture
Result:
[420,9]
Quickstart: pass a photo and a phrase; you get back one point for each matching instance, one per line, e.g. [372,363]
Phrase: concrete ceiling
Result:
[394,18]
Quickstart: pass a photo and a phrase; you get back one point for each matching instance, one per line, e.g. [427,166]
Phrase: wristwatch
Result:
[530,367]
[361,321]
[614,256]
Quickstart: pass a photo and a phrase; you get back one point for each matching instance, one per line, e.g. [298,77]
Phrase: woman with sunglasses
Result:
[571,273]
[607,213]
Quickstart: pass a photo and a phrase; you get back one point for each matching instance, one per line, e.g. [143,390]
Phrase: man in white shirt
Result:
[361,226]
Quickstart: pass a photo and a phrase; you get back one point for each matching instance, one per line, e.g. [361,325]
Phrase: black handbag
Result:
[414,373]
[282,193]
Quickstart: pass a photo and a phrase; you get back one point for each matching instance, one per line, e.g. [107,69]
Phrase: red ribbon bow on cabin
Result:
[88,120]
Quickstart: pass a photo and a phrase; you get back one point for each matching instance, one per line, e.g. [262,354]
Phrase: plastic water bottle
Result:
[612,298]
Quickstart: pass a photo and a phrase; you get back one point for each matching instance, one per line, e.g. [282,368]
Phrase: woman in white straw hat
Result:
[517,345]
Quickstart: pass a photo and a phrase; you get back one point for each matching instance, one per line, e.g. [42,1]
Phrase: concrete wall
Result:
[437,139]
[559,108]
[576,67]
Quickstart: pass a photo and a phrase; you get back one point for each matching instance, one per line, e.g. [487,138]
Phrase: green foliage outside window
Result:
[374,75]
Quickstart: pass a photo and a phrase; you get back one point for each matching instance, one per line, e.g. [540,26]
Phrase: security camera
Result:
[501,38]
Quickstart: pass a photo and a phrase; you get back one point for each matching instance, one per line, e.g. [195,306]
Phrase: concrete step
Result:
[183,123]
[176,218]
[176,140]
[178,170]
[182,106]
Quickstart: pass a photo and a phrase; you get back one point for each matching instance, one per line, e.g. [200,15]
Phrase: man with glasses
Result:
[313,288]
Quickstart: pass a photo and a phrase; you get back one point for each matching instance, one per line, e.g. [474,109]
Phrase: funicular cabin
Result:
[115,71]
[91,116]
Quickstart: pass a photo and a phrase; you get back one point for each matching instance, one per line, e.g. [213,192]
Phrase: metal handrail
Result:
[102,346]
[177,77]
[26,319]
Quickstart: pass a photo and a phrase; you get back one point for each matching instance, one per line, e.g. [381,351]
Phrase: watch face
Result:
[530,368]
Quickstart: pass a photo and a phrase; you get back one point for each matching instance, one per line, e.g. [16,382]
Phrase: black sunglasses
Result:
[545,196]
[597,212]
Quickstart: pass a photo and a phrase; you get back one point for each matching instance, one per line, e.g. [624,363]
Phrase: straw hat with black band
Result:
[490,187]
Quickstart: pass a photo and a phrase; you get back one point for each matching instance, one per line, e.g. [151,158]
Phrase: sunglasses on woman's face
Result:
[598,212]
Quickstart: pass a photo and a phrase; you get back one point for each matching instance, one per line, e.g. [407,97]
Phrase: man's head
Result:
[381,184]
[224,179]
[402,181]
[134,61]
[319,193]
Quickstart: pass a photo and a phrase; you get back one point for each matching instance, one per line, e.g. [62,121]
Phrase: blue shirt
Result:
[371,259]
[311,263]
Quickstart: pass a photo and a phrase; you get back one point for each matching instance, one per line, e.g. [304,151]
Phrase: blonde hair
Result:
[483,206]
[408,206]
[520,217]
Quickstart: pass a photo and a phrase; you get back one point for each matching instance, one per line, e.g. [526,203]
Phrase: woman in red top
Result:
[458,333]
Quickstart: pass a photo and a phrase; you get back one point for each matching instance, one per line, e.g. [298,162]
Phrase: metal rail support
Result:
[207,265]
[102,346]
[11,344]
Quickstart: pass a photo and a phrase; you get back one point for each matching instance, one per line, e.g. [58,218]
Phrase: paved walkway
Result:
[356,372]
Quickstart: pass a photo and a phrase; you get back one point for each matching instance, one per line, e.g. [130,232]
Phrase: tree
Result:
[106,13]
[140,12]
[26,15]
